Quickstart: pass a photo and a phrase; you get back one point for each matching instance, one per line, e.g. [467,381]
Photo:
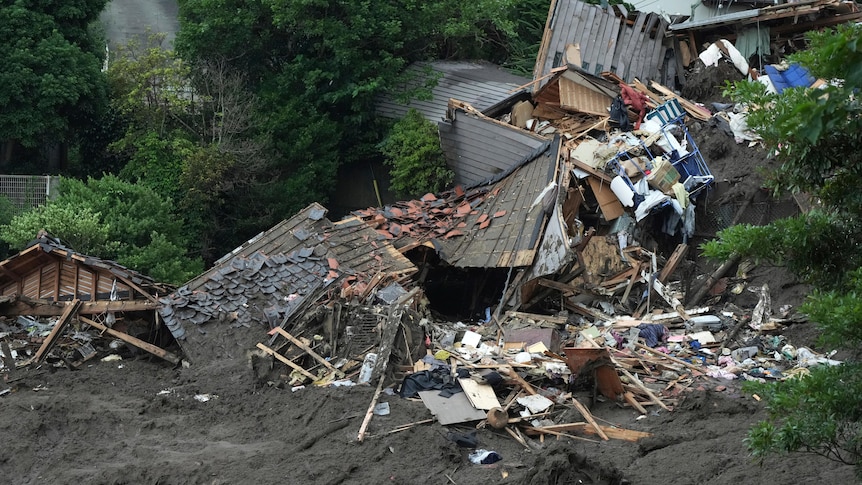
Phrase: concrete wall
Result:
[127,19]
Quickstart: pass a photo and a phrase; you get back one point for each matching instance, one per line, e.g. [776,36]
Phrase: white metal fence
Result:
[28,191]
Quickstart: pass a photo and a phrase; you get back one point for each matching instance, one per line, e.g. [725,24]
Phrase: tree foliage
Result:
[815,133]
[192,135]
[317,67]
[412,149]
[113,219]
[51,79]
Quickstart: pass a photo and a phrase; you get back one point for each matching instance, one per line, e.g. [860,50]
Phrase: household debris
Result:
[545,247]
[65,308]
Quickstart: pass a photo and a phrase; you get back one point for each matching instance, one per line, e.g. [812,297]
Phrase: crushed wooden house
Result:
[486,231]
[766,31]
[48,280]
[292,275]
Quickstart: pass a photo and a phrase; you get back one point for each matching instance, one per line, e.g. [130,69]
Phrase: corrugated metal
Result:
[607,41]
[478,149]
[481,84]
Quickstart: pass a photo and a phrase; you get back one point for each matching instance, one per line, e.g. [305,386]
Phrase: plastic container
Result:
[367,368]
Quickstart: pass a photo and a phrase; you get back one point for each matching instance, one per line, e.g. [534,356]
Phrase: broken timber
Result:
[307,349]
[145,346]
[49,342]
[287,361]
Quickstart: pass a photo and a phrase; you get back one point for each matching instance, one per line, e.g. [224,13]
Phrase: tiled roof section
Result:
[279,272]
[504,230]
[479,149]
[481,84]
[489,226]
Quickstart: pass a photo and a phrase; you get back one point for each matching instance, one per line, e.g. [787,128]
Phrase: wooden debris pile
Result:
[331,348]
[71,339]
[65,308]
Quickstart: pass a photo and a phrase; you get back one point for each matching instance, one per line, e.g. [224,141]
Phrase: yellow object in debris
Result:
[442,355]
[680,194]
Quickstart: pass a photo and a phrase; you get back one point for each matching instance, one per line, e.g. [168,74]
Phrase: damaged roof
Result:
[788,17]
[479,149]
[493,225]
[48,269]
[480,83]
[278,273]
[607,41]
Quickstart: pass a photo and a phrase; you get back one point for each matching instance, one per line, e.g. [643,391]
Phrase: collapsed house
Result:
[306,274]
[763,33]
[539,266]
[48,287]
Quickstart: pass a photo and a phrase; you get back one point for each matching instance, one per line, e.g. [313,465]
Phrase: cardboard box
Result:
[663,176]
[634,167]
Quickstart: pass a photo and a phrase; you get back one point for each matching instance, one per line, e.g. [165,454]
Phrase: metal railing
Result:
[29,191]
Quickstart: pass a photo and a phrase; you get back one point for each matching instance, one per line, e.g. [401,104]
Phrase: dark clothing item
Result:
[426,380]
[653,333]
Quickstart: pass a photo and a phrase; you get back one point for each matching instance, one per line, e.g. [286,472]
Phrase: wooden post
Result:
[713,278]
[364,427]
[64,320]
[145,346]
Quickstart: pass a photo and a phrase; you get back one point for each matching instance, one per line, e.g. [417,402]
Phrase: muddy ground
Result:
[140,420]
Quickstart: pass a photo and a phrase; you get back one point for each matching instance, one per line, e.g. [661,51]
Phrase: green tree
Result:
[112,219]
[192,135]
[317,66]
[413,151]
[815,133]
[51,83]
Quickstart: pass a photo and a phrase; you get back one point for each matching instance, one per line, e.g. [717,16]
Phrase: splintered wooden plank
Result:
[611,43]
[611,432]
[569,34]
[633,402]
[307,349]
[592,33]
[633,39]
[589,417]
[481,396]
[657,55]
[601,41]
[588,16]
[698,112]
[145,346]
[672,262]
[64,320]
[638,64]
[286,361]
